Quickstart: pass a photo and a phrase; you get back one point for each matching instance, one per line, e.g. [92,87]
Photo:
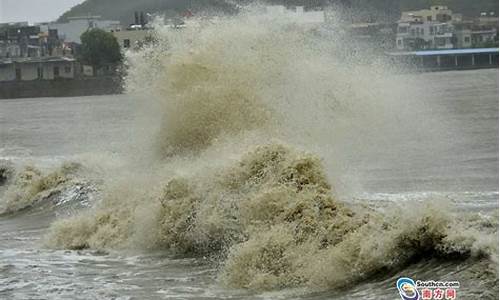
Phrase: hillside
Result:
[123,10]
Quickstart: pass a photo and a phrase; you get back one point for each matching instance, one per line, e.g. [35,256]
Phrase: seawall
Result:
[101,85]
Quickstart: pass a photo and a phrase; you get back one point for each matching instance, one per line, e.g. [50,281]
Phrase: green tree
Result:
[99,48]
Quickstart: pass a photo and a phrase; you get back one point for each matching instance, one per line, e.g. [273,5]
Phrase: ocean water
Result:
[252,162]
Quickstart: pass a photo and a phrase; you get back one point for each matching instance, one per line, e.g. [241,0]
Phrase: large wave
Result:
[230,107]
[272,219]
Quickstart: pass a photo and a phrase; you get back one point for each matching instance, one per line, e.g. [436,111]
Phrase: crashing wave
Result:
[266,213]
[30,187]
[274,222]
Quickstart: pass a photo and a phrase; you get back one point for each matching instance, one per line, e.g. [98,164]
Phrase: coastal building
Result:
[426,29]
[23,40]
[478,32]
[424,35]
[440,28]
[133,38]
[136,34]
[71,31]
[484,35]
[19,39]
[42,68]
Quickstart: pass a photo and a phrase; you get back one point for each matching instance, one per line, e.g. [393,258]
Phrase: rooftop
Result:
[27,60]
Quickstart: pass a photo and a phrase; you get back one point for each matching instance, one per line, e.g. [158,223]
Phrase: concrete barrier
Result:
[103,85]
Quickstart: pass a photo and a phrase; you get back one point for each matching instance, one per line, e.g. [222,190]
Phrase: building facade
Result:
[440,28]
[23,40]
[47,68]
[426,29]
[133,38]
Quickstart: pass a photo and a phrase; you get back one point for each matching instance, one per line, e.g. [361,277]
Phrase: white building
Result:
[43,68]
[424,35]
[426,29]
[71,31]
[133,38]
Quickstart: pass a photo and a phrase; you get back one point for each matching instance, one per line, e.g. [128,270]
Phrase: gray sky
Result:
[33,10]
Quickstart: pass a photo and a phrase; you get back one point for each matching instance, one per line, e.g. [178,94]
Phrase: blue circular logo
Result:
[407,289]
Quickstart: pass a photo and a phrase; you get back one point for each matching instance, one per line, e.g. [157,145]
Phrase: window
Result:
[440,41]
[40,72]
[18,74]
[429,18]
[126,43]
[467,39]
[56,72]
[67,69]
[399,42]
[412,32]
[431,30]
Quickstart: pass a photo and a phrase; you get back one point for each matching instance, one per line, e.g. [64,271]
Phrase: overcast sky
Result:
[33,10]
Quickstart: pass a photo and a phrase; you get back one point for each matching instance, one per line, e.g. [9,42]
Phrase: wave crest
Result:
[30,186]
[273,221]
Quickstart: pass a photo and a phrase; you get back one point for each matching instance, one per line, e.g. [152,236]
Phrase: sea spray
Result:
[229,107]
[253,76]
